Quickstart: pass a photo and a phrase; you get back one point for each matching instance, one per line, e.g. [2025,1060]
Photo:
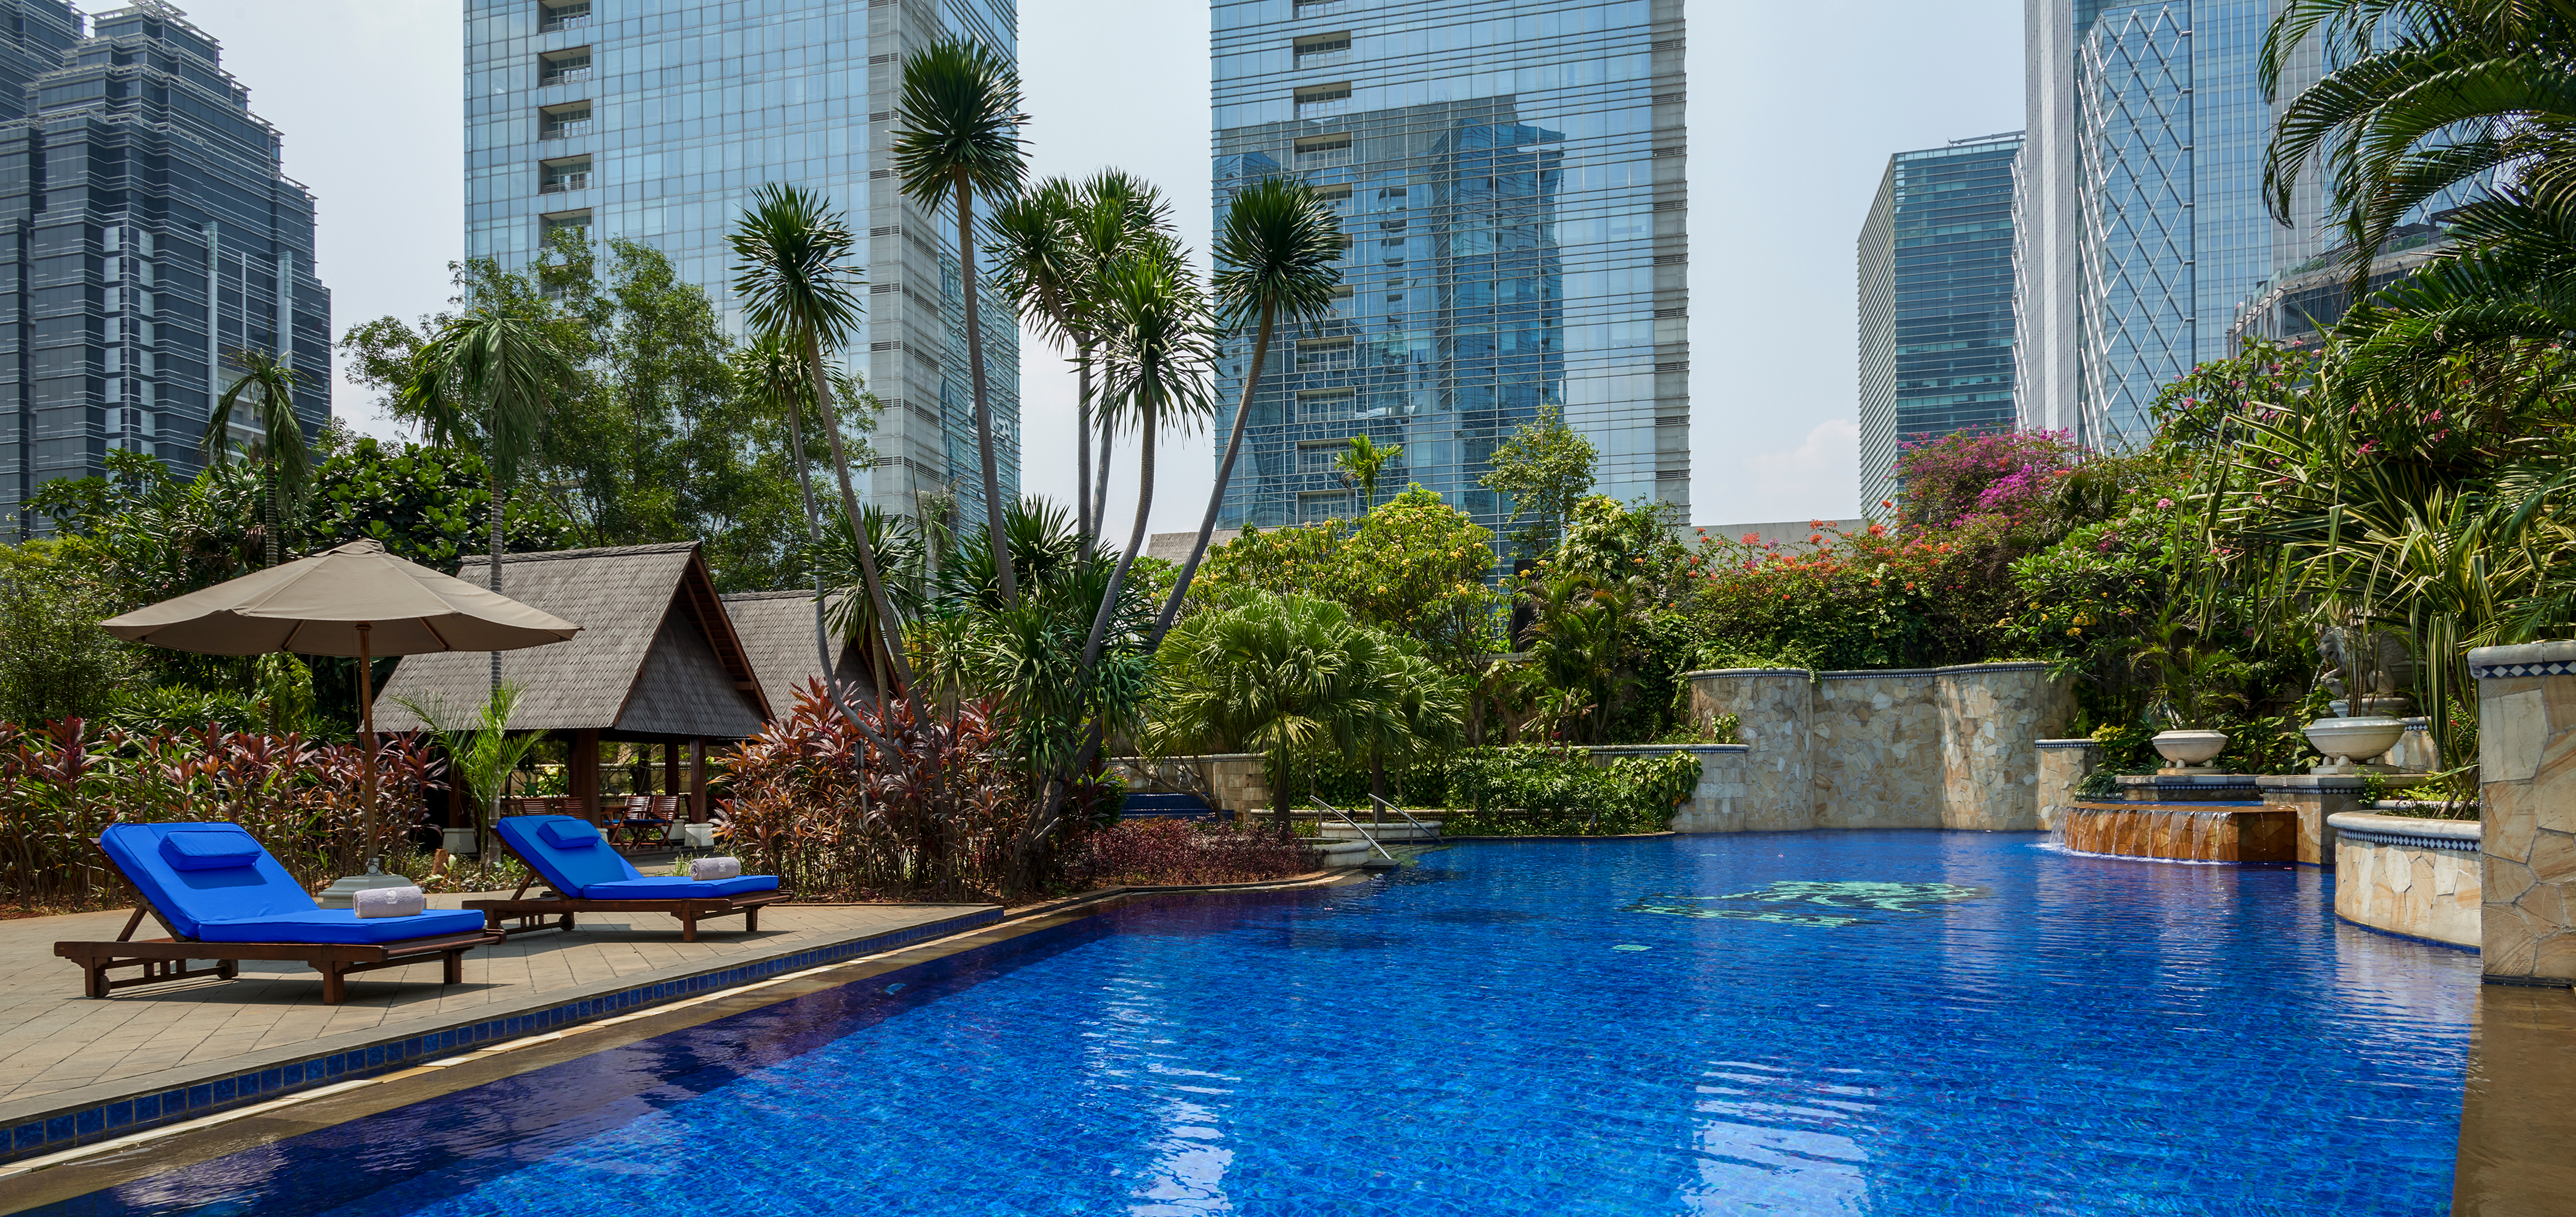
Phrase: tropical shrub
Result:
[1171,852]
[1529,791]
[836,817]
[62,784]
[1415,566]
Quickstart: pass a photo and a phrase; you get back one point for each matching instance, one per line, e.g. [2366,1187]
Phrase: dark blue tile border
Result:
[53,1132]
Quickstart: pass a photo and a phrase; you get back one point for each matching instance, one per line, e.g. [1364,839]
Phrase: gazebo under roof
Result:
[657,661]
[777,630]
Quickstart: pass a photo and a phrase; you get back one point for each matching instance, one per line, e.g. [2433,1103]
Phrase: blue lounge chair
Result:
[223,898]
[588,876]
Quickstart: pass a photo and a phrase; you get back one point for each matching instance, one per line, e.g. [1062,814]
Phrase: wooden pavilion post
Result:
[670,767]
[699,812]
[585,773]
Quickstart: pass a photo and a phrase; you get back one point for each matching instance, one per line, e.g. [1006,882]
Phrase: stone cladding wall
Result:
[1718,803]
[2392,873]
[2527,762]
[2063,766]
[1923,748]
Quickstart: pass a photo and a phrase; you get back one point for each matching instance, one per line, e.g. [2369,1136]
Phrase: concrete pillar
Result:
[2527,762]
[2063,766]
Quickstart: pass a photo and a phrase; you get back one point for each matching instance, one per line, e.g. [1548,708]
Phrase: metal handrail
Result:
[1418,826]
[1355,826]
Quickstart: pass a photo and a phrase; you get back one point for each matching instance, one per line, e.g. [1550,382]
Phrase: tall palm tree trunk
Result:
[1100,483]
[1216,494]
[886,626]
[993,514]
[1135,543]
[1082,447]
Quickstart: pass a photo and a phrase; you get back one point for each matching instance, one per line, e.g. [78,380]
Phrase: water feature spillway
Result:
[2190,832]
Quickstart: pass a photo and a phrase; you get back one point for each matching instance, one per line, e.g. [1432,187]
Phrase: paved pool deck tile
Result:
[187,1044]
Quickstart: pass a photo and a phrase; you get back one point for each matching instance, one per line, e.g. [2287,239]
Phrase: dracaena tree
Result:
[1276,261]
[484,382]
[286,464]
[1157,354]
[957,133]
[802,297]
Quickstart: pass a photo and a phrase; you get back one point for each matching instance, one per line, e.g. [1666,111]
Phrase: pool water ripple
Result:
[2078,1035]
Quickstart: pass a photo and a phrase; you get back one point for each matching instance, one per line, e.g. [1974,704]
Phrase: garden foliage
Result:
[1173,852]
[1525,790]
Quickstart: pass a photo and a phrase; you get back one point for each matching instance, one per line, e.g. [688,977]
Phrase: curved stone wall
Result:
[1920,748]
[2408,876]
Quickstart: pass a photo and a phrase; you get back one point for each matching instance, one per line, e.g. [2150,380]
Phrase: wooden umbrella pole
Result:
[367,743]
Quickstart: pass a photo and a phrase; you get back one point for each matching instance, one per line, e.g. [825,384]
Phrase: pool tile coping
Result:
[41,1128]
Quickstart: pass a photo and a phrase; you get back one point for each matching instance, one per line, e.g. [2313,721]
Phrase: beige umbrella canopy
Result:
[353,599]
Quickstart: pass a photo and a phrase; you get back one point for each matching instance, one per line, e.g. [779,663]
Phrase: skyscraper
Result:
[1936,302]
[653,120]
[1509,178]
[136,189]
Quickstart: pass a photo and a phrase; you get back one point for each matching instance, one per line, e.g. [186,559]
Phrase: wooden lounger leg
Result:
[688,925]
[751,919]
[229,969]
[94,978]
[455,968]
[335,984]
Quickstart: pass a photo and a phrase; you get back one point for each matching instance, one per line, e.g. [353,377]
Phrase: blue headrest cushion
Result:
[568,834]
[209,849]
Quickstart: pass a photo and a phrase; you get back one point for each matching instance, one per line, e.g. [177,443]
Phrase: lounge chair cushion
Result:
[679,887]
[563,833]
[186,899]
[340,926]
[209,849]
[568,869]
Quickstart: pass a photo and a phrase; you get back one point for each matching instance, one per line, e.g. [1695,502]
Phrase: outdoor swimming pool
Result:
[1833,1022]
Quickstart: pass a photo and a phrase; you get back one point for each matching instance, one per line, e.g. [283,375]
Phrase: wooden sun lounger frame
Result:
[690,910]
[166,959]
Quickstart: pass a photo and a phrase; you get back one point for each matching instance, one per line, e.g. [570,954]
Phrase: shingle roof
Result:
[777,630]
[657,654]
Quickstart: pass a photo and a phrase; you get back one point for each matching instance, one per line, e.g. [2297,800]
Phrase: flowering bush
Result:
[835,817]
[62,784]
[1171,852]
[2010,477]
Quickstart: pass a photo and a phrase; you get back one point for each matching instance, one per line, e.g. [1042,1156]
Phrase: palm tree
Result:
[1156,354]
[1275,255]
[485,381]
[957,132]
[2430,95]
[1361,465]
[1115,212]
[799,295]
[1035,266]
[288,462]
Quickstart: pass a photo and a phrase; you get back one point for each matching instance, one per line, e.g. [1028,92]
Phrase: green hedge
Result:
[1529,791]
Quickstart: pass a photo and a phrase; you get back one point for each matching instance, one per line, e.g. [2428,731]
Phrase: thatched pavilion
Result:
[777,629]
[658,661]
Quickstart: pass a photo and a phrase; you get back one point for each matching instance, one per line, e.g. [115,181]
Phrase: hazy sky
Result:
[1794,109]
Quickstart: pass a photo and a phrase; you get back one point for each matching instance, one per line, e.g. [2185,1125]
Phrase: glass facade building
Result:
[1936,297]
[653,120]
[1509,178]
[151,236]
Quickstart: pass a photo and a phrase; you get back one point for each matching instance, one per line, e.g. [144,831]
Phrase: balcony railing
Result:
[564,76]
[560,183]
[563,21]
[566,130]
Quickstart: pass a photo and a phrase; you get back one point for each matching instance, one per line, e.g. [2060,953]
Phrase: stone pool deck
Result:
[73,1070]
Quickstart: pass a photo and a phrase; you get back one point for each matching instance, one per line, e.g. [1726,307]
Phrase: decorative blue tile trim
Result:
[54,1132]
[2558,667]
[2409,840]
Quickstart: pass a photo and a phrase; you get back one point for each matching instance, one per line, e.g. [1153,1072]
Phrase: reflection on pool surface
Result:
[2016,1030]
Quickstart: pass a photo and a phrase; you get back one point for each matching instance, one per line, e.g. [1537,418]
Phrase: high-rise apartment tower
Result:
[1936,297]
[653,121]
[1508,174]
[151,237]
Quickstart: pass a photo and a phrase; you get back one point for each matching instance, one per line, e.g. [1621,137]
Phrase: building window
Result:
[1333,196]
[1322,151]
[1317,506]
[554,15]
[562,174]
[1324,354]
[554,222]
[565,121]
[1321,50]
[1329,406]
[564,66]
[1316,456]
[1315,101]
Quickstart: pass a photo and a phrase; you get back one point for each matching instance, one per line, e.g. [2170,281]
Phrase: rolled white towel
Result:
[389,902]
[715,868]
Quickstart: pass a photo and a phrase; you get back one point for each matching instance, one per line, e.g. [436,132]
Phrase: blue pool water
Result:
[1849,1022]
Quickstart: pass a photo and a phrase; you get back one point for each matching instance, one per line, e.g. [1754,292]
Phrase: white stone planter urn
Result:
[2349,743]
[2186,749]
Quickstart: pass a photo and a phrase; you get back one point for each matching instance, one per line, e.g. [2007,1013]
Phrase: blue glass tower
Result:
[653,120]
[1936,284]
[151,238]
[1509,175]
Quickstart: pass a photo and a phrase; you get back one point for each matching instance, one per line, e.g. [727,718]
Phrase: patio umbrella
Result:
[353,599]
